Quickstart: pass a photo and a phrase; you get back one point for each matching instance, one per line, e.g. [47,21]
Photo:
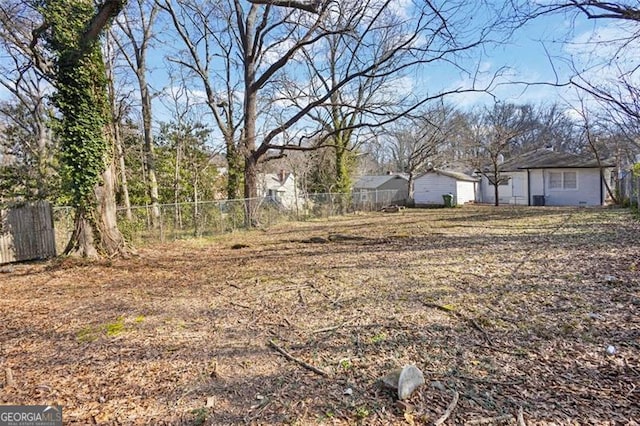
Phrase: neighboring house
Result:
[429,187]
[279,188]
[381,190]
[547,177]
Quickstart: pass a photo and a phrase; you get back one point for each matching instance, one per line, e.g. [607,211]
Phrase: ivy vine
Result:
[81,97]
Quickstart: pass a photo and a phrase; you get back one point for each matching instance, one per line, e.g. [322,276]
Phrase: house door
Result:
[519,189]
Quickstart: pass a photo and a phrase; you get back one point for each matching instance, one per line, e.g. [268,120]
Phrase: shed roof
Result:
[547,159]
[452,174]
[373,182]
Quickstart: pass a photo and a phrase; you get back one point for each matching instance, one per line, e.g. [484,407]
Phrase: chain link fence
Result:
[629,187]
[208,218]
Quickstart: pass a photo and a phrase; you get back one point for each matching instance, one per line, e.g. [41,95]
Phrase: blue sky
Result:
[522,58]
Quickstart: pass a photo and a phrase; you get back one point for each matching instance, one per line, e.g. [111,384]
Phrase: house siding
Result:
[465,192]
[515,192]
[587,193]
[286,191]
[536,184]
[399,185]
[523,187]
[429,188]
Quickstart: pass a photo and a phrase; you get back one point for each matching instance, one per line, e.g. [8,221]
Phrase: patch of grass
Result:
[380,337]
[114,328]
[200,416]
[139,319]
[362,412]
[345,364]
[86,335]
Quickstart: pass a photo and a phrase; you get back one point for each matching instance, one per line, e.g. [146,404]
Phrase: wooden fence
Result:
[26,233]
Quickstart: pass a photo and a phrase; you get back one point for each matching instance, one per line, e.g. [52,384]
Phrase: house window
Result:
[503,180]
[555,180]
[563,180]
[570,180]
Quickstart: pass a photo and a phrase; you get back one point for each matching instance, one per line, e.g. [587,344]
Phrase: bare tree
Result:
[381,46]
[27,110]
[364,71]
[594,134]
[494,130]
[26,27]
[136,25]
[415,141]
[117,108]
[208,54]
[610,71]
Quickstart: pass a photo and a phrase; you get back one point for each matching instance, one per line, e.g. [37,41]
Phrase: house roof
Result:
[373,182]
[450,173]
[547,159]
[273,180]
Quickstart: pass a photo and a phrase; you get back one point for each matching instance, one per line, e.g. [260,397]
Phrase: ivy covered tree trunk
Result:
[235,170]
[343,175]
[87,157]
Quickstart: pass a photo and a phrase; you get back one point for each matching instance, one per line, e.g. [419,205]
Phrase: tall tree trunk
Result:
[45,158]
[342,170]
[343,180]
[87,144]
[411,202]
[123,170]
[176,187]
[111,240]
[251,191]
[97,233]
[235,169]
[149,154]
[249,143]
[115,125]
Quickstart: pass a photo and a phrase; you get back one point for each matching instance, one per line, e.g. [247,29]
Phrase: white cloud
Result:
[613,42]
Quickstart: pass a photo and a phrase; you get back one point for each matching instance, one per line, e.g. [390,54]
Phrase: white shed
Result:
[432,185]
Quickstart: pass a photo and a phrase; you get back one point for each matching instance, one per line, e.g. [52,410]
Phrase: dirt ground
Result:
[510,309]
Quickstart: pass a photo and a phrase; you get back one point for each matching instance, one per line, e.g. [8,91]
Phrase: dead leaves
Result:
[510,309]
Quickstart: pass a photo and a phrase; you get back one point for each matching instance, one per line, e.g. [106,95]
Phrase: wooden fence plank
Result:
[26,233]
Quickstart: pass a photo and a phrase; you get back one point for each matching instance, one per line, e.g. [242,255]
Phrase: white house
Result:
[429,187]
[547,177]
[279,188]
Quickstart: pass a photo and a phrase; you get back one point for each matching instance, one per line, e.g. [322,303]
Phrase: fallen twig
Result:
[490,382]
[490,420]
[461,316]
[288,288]
[290,357]
[521,417]
[322,293]
[240,305]
[233,285]
[503,351]
[450,408]
[335,327]
[9,380]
